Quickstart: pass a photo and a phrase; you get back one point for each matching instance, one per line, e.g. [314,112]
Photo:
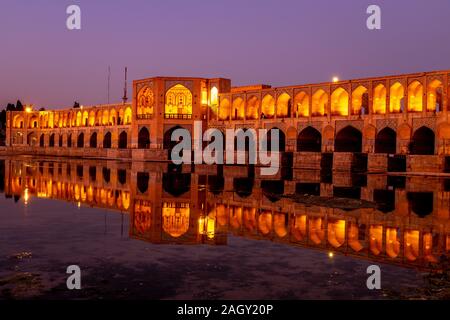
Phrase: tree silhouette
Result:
[19,106]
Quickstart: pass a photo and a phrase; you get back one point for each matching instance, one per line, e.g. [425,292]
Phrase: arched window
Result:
[268,107]
[397,98]
[93,140]
[379,99]
[224,109]
[145,103]
[301,104]
[51,142]
[178,103]
[339,102]
[319,103]
[41,141]
[80,140]
[284,106]
[415,97]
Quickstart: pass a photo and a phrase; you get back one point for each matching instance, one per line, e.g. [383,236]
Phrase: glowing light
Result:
[28,109]
[330,255]
[335,79]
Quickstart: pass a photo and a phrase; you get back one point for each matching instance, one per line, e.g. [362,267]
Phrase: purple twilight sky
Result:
[278,42]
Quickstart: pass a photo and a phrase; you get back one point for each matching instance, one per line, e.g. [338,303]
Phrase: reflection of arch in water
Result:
[272,189]
[176,219]
[243,186]
[392,242]
[235,217]
[376,239]
[142,216]
[216,184]
[176,184]
[221,215]
[385,200]
[265,222]
[298,227]
[336,233]
[142,181]
[412,245]
[421,203]
[356,233]
[316,230]
[249,216]
[280,224]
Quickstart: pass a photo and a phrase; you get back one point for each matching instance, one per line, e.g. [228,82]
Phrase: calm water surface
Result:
[154,231]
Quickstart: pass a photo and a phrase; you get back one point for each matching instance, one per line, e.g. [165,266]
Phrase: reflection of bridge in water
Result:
[184,205]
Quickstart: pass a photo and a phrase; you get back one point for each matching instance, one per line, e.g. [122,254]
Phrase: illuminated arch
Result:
[18,121]
[415,96]
[214,96]
[397,94]
[411,245]
[224,109]
[127,116]
[113,117]
[353,236]
[252,108]
[249,217]
[360,101]
[319,103]
[316,232]
[98,118]
[79,119]
[238,109]
[284,106]
[33,122]
[379,99]
[145,102]
[339,102]
[178,101]
[235,217]
[84,121]
[105,117]
[434,96]
[301,103]
[268,107]
[376,239]
[92,118]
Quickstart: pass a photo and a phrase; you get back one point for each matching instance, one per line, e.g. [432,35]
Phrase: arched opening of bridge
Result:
[176,184]
[107,140]
[434,96]
[252,108]
[319,103]
[360,101]
[339,102]
[422,142]
[224,109]
[144,138]
[93,140]
[41,140]
[31,139]
[309,140]
[301,103]
[142,181]
[80,141]
[51,142]
[386,141]
[397,95]
[268,107]
[238,109]
[69,141]
[348,139]
[379,99]
[60,143]
[123,140]
[168,144]
[281,140]
[284,106]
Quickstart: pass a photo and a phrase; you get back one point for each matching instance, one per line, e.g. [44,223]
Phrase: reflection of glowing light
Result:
[26,196]
[330,255]
[79,204]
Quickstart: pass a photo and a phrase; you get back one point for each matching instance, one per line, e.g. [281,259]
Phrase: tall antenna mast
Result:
[125,87]
[109,81]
